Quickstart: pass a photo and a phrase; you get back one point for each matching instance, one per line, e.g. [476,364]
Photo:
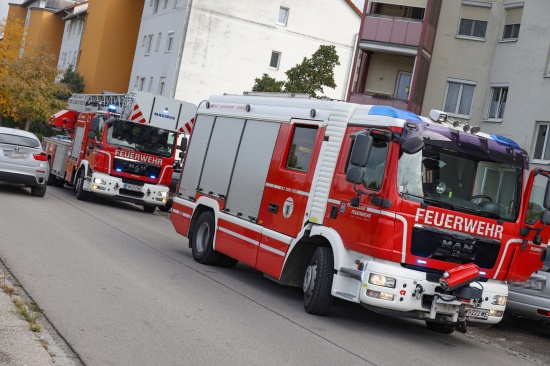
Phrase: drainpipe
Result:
[181,46]
[350,66]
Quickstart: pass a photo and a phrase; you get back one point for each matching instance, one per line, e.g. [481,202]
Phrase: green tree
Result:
[308,77]
[29,84]
[73,80]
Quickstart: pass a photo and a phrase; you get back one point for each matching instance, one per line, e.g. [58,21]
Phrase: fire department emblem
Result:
[287,208]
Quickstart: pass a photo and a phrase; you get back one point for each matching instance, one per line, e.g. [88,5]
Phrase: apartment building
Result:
[74,17]
[192,49]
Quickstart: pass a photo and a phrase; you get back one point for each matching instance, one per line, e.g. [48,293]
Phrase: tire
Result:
[318,282]
[51,179]
[227,262]
[38,191]
[149,209]
[202,242]
[166,207]
[59,183]
[81,194]
[440,328]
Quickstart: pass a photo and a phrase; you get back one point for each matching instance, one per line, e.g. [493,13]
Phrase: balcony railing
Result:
[400,31]
[374,99]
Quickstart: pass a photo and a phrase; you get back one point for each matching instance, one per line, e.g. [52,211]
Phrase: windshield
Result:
[143,138]
[444,178]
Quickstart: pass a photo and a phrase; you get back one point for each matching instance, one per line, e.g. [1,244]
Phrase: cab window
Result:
[376,165]
[536,199]
[301,148]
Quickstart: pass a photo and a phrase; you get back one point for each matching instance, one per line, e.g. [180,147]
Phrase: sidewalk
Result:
[20,346]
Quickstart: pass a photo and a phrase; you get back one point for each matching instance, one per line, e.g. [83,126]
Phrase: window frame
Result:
[162,84]
[291,142]
[478,5]
[148,45]
[159,39]
[462,83]
[141,83]
[472,30]
[287,13]
[500,109]
[156,6]
[545,143]
[169,42]
[278,60]
[507,8]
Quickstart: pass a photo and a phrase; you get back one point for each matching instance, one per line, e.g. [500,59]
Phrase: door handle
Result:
[273,208]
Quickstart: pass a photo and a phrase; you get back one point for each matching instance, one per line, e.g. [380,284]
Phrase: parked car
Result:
[23,161]
[172,192]
[531,299]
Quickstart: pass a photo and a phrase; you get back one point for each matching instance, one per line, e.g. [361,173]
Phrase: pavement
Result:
[20,346]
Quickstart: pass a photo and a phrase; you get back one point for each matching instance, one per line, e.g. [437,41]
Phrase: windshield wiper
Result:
[480,212]
[432,201]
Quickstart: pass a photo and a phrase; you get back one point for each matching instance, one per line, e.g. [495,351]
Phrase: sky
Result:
[4,6]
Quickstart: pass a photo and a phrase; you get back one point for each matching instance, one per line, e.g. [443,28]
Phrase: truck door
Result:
[364,228]
[289,177]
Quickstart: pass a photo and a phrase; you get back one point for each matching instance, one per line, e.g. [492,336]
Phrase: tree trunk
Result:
[27,124]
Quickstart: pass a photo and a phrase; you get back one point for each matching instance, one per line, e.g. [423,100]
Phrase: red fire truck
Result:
[406,215]
[120,146]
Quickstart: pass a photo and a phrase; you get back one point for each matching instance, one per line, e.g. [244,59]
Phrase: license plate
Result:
[14,154]
[477,313]
[132,187]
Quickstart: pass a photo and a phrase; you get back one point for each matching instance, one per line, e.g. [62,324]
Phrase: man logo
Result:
[457,247]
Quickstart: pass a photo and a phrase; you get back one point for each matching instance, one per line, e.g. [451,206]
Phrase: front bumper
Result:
[146,194]
[418,295]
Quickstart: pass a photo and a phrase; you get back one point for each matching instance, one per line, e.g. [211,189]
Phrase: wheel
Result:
[440,328]
[51,179]
[59,183]
[166,207]
[318,282]
[81,194]
[227,262]
[202,242]
[38,191]
[149,209]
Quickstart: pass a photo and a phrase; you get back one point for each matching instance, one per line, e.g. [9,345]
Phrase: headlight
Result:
[163,194]
[99,181]
[380,295]
[499,300]
[497,313]
[380,280]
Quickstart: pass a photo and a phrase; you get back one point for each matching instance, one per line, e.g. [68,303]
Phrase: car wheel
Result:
[81,194]
[38,191]
[318,282]
[202,242]
[440,328]
[51,179]
[149,209]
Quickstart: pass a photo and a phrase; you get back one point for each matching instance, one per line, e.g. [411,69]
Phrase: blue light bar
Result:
[382,110]
[420,261]
[481,273]
[112,107]
[118,169]
[153,176]
[501,140]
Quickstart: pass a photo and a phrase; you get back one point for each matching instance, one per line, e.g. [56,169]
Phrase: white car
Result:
[22,160]
[531,299]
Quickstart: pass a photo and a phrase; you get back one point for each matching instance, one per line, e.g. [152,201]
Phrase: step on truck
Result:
[121,146]
[406,215]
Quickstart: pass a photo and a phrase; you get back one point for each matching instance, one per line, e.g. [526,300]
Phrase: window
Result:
[512,23]
[301,148]
[542,150]
[283,16]
[275,59]
[473,21]
[162,83]
[148,45]
[170,42]
[150,84]
[137,81]
[376,165]
[156,6]
[74,59]
[175,4]
[144,41]
[498,102]
[158,42]
[165,4]
[536,200]
[141,83]
[459,96]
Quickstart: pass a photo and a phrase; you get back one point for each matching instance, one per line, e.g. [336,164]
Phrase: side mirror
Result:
[545,217]
[94,124]
[361,150]
[181,155]
[412,145]
[355,175]
[91,134]
[546,202]
[183,145]
[110,121]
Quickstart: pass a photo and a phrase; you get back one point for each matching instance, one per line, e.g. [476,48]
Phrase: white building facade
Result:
[72,35]
[191,49]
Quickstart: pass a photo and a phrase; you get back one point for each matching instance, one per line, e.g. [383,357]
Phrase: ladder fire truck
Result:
[406,215]
[120,146]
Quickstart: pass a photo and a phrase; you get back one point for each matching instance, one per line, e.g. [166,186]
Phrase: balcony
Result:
[377,99]
[397,31]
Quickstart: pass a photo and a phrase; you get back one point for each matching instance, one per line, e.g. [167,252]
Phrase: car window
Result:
[19,140]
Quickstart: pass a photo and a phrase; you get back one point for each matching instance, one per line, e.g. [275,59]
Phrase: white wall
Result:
[70,45]
[228,44]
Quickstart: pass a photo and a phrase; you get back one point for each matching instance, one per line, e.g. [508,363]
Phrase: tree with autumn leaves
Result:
[28,90]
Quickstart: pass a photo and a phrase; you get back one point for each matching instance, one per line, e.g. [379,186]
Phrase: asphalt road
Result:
[122,288]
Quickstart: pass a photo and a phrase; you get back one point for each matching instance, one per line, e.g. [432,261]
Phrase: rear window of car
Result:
[19,140]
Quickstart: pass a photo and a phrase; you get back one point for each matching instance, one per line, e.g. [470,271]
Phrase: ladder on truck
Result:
[94,102]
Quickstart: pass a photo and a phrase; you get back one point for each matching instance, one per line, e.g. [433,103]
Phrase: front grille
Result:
[136,167]
[454,247]
[433,277]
